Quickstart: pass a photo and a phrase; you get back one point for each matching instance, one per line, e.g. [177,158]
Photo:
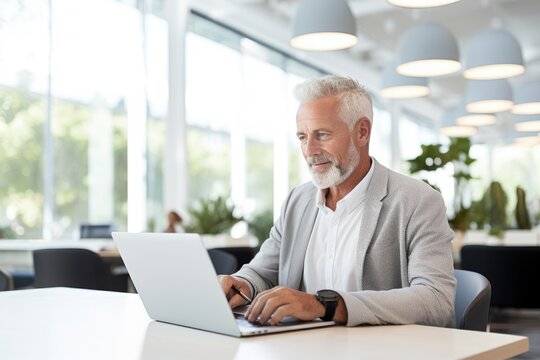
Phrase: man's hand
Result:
[227,282]
[273,305]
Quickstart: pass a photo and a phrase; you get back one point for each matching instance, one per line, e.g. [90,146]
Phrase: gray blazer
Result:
[405,267]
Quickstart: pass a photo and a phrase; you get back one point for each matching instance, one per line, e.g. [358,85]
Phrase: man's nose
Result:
[311,147]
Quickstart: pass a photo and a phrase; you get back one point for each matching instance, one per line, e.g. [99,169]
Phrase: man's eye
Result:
[322,135]
[302,138]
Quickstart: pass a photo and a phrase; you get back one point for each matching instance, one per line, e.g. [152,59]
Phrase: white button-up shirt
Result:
[331,258]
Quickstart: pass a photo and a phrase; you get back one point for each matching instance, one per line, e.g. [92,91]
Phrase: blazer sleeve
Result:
[263,271]
[429,298]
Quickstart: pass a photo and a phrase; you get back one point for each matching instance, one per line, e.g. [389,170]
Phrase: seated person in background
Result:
[362,244]
[175,223]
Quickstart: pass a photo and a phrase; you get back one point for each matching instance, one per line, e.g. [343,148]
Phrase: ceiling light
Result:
[493,54]
[420,4]
[427,50]
[527,122]
[527,140]
[323,25]
[396,86]
[488,96]
[527,98]
[464,117]
[451,129]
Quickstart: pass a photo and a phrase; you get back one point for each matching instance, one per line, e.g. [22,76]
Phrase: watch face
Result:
[327,295]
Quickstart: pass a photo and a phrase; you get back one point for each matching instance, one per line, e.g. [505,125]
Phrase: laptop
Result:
[177,283]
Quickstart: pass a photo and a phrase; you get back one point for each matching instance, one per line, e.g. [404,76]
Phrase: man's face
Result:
[326,142]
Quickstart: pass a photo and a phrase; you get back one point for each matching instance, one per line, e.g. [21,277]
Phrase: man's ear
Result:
[362,132]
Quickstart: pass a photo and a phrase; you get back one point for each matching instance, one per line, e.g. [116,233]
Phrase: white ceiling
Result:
[379,28]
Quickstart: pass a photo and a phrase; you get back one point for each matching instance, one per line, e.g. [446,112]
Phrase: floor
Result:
[519,322]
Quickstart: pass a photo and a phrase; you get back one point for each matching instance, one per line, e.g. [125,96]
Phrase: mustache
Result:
[314,160]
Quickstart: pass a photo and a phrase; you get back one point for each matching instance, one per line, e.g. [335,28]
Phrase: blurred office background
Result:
[117,111]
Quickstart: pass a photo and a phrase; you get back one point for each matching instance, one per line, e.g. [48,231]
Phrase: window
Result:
[78,95]
[240,117]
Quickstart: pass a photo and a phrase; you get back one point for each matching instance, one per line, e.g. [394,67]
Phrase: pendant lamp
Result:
[493,54]
[525,138]
[323,25]
[451,129]
[396,86]
[427,50]
[488,96]
[466,118]
[527,122]
[527,98]
[421,4]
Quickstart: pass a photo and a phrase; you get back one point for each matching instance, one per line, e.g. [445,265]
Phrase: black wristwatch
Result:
[329,299]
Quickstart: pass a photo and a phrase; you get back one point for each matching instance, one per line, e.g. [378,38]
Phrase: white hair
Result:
[355,102]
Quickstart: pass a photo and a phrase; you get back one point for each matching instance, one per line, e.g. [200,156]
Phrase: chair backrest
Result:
[80,268]
[473,293]
[243,254]
[6,282]
[511,270]
[224,263]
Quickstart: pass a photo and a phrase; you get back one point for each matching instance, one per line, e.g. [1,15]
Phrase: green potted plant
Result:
[433,158]
[212,216]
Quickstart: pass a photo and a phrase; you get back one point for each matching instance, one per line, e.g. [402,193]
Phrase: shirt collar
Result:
[352,199]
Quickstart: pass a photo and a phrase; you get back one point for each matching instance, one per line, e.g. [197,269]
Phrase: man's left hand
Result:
[273,305]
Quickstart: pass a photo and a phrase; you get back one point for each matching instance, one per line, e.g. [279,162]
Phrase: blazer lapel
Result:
[376,192]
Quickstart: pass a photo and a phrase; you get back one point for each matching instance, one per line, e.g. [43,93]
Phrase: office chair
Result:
[243,254]
[511,270]
[473,293]
[79,268]
[6,282]
[224,263]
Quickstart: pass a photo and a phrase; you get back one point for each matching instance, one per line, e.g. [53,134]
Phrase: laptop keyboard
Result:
[242,321]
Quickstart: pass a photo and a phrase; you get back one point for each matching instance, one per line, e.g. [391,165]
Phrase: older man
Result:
[361,244]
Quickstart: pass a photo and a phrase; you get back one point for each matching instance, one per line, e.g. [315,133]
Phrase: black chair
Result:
[6,282]
[79,268]
[473,293]
[511,270]
[224,263]
[243,254]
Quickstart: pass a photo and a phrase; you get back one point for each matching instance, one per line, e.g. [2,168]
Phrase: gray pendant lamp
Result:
[493,54]
[396,86]
[427,50]
[451,129]
[527,98]
[488,96]
[527,123]
[524,138]
[323,25]
[421,4]
[466,118]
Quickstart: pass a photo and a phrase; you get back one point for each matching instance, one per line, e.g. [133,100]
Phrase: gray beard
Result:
[335,175]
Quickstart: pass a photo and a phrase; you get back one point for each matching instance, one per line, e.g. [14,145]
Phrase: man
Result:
[362,244]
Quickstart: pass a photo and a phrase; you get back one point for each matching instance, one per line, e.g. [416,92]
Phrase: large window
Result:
[81,111]
[240,116]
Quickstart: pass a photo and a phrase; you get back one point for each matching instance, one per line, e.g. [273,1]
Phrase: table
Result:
[62,323]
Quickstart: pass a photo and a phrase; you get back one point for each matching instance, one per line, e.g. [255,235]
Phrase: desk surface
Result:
[61,323]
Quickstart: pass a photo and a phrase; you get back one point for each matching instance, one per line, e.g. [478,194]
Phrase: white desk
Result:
[60,323]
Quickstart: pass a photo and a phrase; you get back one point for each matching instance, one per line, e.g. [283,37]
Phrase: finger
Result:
[265,305]
[236,300]
[226,282]
[280,313]
[256,307]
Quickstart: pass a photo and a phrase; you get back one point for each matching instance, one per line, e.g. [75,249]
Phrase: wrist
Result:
[329,300]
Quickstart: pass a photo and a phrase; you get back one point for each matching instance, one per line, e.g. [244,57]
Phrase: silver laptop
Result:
[176,281]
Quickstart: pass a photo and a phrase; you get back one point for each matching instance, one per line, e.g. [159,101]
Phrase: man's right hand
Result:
[227,281]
